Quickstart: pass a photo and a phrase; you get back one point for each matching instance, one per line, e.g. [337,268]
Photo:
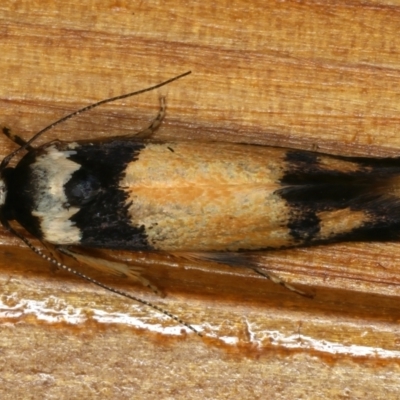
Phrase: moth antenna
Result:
[15,138]
[96,282]
[26,145]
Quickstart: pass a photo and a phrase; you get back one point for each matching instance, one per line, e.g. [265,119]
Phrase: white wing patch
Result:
[52,170]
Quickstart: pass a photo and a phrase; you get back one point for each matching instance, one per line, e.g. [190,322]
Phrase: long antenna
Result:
[8,158]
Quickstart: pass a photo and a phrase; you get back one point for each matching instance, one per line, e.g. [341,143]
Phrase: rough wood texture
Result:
[312,75]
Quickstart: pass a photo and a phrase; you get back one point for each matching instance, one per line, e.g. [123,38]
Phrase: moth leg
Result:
[55,253]
[15,138]
[242,261]
[112,267]
[149,131]
[276,279]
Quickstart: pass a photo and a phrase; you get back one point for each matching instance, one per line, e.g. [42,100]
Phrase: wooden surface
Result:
[313,75]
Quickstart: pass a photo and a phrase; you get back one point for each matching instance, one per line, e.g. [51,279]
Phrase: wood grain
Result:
[313,75]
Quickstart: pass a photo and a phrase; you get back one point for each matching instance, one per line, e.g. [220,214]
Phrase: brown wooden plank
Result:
[311,75]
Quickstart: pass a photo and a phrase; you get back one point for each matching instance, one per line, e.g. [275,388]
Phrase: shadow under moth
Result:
[213,201]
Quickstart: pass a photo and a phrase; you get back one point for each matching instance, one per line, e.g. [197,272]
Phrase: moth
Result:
[216,201]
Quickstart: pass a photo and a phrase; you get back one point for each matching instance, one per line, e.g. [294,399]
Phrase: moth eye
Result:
[82,188]
[3,192]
